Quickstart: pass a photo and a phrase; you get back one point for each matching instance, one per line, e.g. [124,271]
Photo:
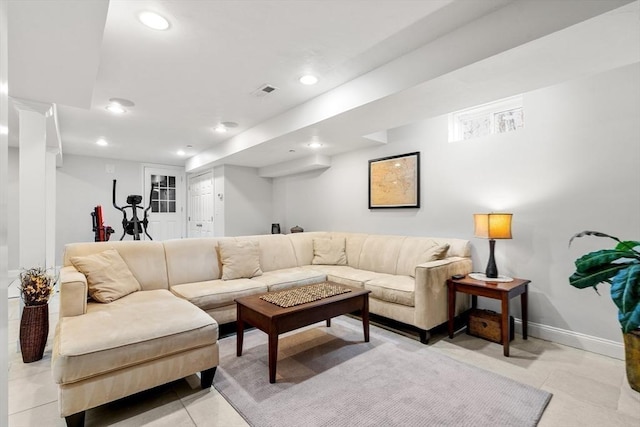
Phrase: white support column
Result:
[50,218]
[35,205]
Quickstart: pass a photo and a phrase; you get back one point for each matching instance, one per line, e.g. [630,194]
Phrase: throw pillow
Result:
[329,252]
[108,276]
[436,252]
[240,259]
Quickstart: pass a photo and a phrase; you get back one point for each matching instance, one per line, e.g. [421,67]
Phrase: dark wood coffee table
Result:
[275,320]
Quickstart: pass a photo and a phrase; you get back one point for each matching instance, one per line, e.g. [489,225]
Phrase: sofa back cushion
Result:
[192,260]
[418,250]
[146,260]
[457,247]
[353,246]
[380,253]
[276,251]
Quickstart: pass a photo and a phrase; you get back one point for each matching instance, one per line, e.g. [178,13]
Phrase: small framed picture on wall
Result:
[394,182]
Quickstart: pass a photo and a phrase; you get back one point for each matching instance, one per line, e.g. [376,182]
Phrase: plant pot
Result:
[632,358]
[34,329]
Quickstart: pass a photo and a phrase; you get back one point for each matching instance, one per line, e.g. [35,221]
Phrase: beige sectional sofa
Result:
[106,351]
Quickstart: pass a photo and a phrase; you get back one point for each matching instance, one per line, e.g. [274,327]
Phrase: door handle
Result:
[198,225]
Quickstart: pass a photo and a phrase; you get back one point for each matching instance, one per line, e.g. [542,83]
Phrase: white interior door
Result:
[200,211]
[166,216]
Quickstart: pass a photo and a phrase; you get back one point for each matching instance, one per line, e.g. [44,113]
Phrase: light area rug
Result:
[331,377]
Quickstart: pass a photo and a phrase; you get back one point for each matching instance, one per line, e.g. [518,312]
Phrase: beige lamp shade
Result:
[493,225]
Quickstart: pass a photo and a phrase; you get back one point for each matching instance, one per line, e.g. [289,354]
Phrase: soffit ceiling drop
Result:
[203,70]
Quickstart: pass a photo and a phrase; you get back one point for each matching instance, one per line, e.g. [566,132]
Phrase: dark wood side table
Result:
[502,291]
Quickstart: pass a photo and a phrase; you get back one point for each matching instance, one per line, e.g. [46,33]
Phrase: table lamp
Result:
[492,226]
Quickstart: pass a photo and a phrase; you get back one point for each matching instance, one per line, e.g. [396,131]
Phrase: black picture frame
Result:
[394,182]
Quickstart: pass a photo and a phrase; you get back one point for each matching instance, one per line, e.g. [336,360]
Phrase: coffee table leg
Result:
[273,355]
[239,331]
[328,323]
[365,317]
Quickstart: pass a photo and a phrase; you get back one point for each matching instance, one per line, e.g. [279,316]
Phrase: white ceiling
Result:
[381,64]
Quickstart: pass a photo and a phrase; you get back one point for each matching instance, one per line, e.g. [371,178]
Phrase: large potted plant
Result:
[620,267]
[36,286]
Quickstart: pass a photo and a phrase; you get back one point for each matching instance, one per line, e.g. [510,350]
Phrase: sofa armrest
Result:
[73,292]
[431,301]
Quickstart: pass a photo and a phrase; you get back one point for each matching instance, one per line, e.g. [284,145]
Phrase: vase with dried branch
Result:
[36,287]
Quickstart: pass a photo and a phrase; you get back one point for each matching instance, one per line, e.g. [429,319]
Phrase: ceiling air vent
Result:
[264,90]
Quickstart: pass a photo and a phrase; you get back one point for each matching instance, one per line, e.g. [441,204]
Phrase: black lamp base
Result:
[492,269]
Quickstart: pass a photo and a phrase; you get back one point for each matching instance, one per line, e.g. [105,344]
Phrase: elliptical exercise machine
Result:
[134,227]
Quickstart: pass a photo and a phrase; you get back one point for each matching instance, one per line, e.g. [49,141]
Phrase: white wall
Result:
[4,239]
[218,201]
[247,201]
[574,167]
[83,183]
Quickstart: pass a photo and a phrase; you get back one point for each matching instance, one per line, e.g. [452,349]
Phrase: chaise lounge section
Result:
[106,351]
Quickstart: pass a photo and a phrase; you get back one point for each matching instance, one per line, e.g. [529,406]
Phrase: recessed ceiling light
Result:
[221,128]
[153,20]
[102,142]
[315,145]
[180,153]
[308,80]
[115,108]
[122,101]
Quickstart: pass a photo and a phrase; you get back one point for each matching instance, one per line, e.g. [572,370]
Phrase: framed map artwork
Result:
[394,182]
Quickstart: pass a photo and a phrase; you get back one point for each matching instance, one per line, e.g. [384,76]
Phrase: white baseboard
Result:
[573,339]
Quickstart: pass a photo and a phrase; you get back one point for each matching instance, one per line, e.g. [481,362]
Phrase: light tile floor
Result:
[588,389]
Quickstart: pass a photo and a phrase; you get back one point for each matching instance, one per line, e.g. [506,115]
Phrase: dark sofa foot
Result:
[75,420]
[424,337]
[206,377]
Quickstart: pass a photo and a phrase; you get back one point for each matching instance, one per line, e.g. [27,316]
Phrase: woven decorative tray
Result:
[303,295]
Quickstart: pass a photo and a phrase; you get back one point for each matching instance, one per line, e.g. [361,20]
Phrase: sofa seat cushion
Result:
[393,288]
[290,277]
[217,293]
[346,275]
[132,330]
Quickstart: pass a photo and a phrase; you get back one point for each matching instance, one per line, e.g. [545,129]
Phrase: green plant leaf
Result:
[629,245]
[629,321]
[625,293]
[600,258]
[592,233]
[595,276]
